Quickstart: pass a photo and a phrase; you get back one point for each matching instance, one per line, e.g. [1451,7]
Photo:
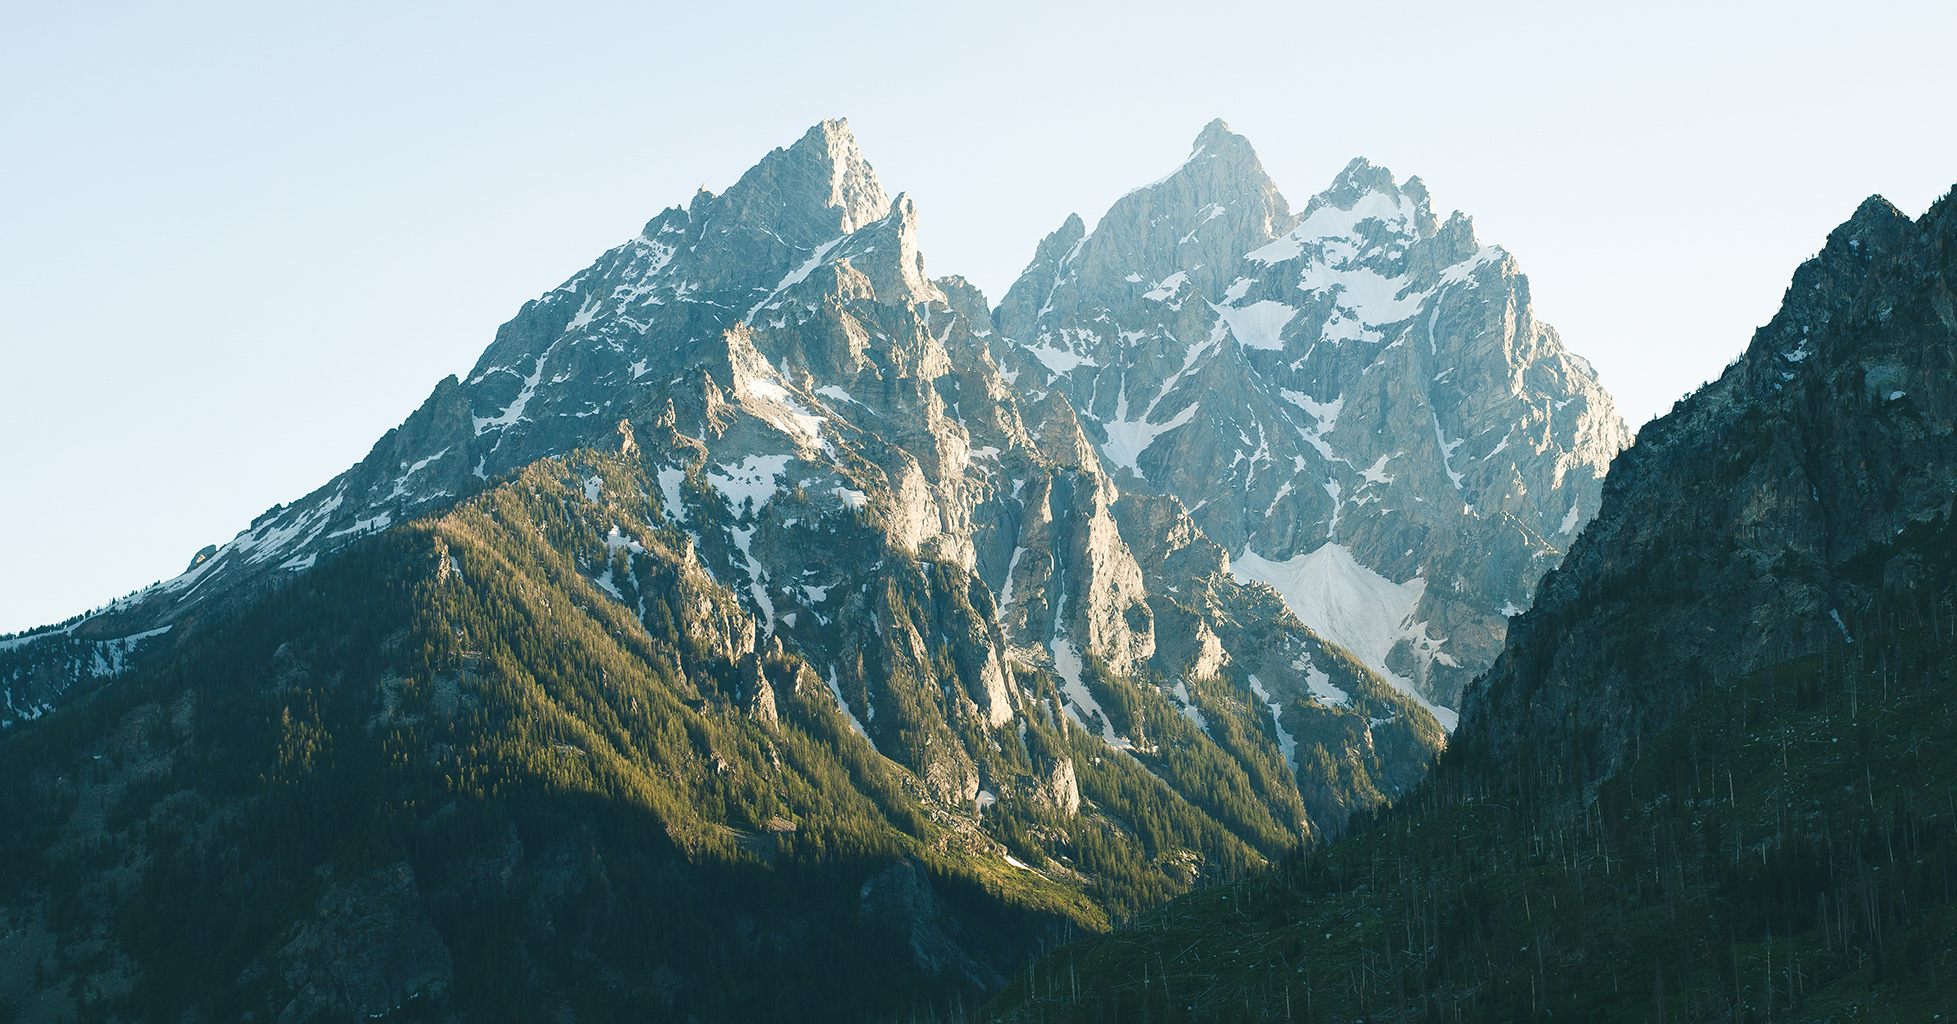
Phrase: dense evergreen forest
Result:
[1786,850]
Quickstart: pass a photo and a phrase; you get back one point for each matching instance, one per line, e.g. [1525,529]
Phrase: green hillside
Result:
[522,758]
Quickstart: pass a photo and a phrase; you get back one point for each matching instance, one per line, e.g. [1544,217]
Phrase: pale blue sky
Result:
[240,242]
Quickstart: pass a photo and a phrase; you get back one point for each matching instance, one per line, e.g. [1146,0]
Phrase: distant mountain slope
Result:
[1356,402]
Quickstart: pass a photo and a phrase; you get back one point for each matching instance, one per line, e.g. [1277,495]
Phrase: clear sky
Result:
[240,242]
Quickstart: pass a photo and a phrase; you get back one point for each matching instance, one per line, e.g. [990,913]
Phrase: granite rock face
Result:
[1760,520]
[1354,400]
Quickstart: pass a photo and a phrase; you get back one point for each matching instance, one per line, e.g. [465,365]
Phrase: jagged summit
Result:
[1365,218]
[1360,377]
[1221,161]
[1190,223]
[1217,132]
[812,191]
[1359,177]
[1820,291]
[1875,227]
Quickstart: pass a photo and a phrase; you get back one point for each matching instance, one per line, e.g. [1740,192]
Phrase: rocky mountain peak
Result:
[1222,162]
[1216,135]
[1822,290]
[1187,227]
[888,254]
[1876,223]
[1360,177]
[810,192]
[1365,203]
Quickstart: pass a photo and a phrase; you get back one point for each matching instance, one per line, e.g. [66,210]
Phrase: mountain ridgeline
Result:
[1709,776]
[761,607]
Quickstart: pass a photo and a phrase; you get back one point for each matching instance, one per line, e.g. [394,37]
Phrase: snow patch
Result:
[1376,473]
[1352,606]
[1005,596]
[795,277]
[1081,705]
[669,488]
[753,479]
[1447,449]
[360,526]
[757,577]
[401,482]
[1127,438]
[1284,740]
[1059,360]
[799,421]
[1320,684]
[1325,413]
[1167,287]
[854,725]
[514,411]
[1189,708]
[1258,324]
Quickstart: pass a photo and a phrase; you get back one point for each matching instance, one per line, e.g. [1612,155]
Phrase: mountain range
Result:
[760,584]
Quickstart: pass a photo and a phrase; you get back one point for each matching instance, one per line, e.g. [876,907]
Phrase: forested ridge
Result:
[514,760]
